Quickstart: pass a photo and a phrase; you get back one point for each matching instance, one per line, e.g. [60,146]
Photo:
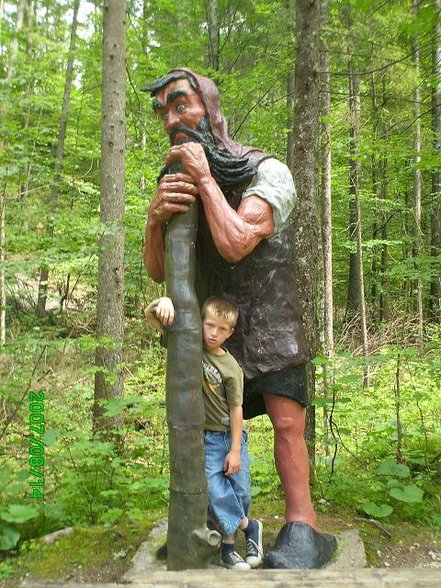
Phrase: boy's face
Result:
[215,331]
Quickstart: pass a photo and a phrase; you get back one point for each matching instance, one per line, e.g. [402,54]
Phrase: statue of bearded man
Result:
[245,253]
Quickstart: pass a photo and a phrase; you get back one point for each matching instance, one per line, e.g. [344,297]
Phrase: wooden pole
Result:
[189,542]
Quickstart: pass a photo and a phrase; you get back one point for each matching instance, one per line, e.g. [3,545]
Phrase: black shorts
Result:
[291,382]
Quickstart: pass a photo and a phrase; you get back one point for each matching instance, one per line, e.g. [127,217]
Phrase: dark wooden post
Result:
[189,542]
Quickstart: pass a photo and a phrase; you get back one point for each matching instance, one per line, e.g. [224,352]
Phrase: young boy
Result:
[225,440]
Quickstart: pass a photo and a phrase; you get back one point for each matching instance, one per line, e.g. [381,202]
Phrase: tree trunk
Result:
[55,188]
[328,302]
[379,190]
[110,300]
[290,85]
[305,172]
[435,242]
[213,33]
[375,193]
[2,269]
[418,247]
[383,298]
[354,187]
[352,301]
[10,71]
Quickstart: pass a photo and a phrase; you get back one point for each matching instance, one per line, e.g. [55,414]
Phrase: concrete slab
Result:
[350,555]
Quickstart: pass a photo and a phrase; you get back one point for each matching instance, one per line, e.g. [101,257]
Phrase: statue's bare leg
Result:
[291,456]
[299,544]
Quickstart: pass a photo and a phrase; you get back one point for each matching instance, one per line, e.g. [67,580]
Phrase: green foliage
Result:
[367,458]
[373,459]
[86,480]
[15,514]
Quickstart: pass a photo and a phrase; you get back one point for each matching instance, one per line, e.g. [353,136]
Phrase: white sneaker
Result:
[254,556]
[233,561]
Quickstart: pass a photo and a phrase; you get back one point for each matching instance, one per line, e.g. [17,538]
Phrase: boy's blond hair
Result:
[222,308]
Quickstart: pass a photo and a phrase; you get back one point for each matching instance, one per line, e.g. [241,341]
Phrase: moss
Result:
[89,553]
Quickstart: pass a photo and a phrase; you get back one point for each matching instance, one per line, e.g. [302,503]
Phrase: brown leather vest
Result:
[269,334]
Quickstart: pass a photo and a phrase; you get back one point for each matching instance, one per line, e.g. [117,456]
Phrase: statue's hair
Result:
[221,308]
[209,94]
[171,76]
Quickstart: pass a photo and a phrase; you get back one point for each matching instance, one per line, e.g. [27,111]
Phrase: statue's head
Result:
[196,96]
[189,107]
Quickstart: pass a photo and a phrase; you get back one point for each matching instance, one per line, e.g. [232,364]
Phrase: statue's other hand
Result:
[175,193]
[193,158]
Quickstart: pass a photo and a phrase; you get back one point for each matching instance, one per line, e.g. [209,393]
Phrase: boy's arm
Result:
[232,460]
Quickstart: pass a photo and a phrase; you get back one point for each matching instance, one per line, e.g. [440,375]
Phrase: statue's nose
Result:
[172,121]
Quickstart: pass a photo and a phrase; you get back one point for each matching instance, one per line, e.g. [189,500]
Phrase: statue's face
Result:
[178,104]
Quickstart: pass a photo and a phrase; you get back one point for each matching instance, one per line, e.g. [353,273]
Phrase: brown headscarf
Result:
[209,95]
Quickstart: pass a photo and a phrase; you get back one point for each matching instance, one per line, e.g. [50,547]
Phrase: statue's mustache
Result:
[227,169]
[201,136]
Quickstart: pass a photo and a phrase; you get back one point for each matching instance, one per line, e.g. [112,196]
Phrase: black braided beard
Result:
[228,170]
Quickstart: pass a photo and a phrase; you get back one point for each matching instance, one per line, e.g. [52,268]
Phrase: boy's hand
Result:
[232,463]
[165,311]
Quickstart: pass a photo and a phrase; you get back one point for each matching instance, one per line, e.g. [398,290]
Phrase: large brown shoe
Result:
[299,546]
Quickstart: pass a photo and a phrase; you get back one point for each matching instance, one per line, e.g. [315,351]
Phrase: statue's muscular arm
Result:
[235,233]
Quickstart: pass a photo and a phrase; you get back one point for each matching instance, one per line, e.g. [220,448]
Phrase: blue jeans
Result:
[228,497]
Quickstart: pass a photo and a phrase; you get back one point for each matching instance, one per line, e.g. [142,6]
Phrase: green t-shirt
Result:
[222,386]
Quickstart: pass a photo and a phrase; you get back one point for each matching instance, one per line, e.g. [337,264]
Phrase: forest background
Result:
[377,402]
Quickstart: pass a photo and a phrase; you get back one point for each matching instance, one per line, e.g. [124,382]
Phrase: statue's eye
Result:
[164,116]
[180,108]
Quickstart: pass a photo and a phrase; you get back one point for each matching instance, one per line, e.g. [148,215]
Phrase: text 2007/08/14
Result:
[36,446]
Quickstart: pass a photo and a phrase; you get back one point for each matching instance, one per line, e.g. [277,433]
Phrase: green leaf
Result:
[394,483]
[9,536]
[19,513]
[22,475]
[135,514]
[320,360]
[5,476]
[116,406]
[109,493]
[399,470]
[377,510]
[50,437]
[112,515]
[319,402]
[410,494]
[350,379]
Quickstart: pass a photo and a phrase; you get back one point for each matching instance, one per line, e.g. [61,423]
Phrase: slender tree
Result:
[354,188]
[290,84]
[383,167]
[10,72]
[213,33]
[326,199]
[2,268]
[435,285]
[305,169]
[59,155]
[353,300]
[418,246]
[375,195]
[110,301]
